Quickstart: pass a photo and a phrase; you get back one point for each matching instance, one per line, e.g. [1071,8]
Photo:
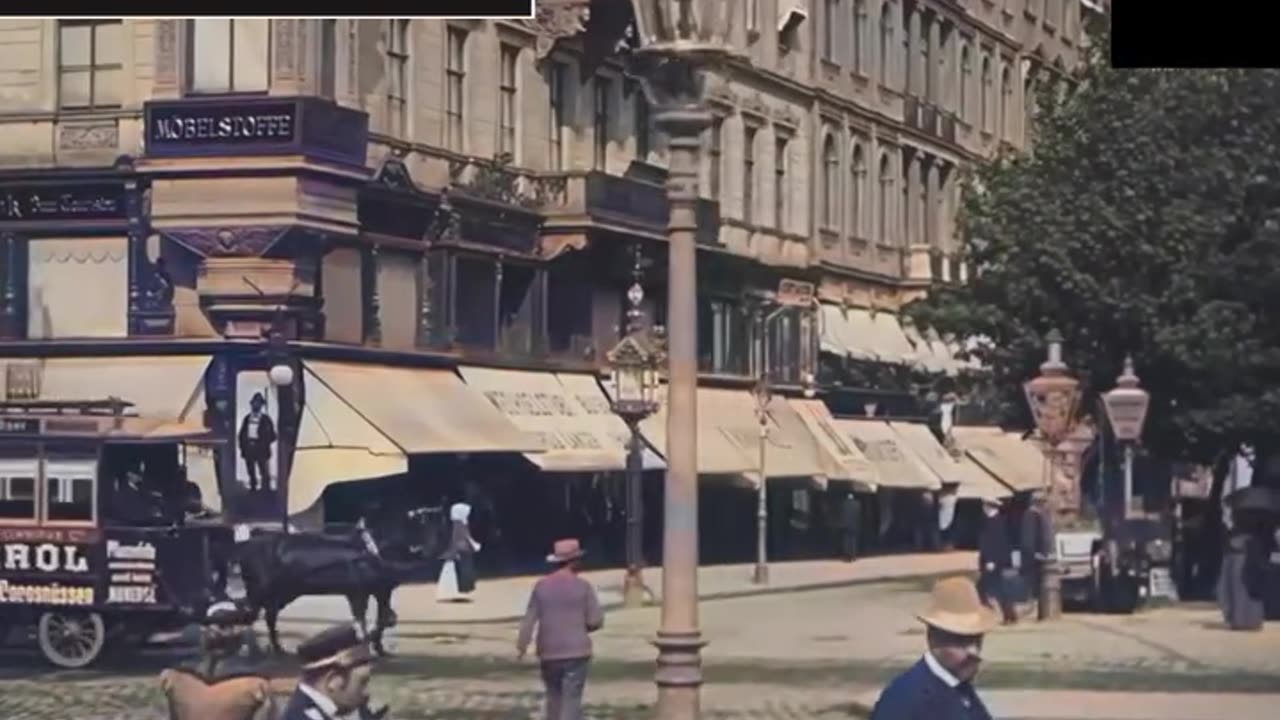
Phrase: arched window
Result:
[857,190]
[830,184]
[926,61]
[910,25]
[860,36]
[1029,106]
[886,194]
[966,77]
[1006,101]
[924,235]
[907,235]
[984,98]
[886,42]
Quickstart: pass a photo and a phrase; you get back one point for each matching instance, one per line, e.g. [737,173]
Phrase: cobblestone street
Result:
[794,655]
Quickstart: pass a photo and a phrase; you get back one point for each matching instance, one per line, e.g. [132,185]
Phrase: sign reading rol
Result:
[187,124]
[44,557]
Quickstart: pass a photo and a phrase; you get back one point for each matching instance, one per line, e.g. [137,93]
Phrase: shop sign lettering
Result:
[517,404]
[132,570]
[45,557]
[131,594]
[91,202]
[55,594]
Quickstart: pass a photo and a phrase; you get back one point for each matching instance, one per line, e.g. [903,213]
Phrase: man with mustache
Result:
[940,685]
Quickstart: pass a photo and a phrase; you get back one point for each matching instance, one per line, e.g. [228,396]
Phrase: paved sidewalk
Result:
[503,600]
[1093,705]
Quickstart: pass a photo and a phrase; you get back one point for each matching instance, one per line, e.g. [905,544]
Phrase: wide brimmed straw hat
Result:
[956,608]
[565,550]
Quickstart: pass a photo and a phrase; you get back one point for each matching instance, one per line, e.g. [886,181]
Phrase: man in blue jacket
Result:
[940,685]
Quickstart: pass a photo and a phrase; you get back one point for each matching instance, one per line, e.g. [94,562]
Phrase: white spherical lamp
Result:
[281,375]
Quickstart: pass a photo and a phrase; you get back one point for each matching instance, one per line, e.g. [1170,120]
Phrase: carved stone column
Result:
[287,44]
[168,53]
[373,309]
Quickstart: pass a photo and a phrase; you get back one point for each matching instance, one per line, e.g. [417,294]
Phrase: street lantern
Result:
[1052,397]
[679,40]
[1127,405]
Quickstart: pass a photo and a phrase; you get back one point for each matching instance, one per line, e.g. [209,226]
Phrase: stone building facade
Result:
[391,201]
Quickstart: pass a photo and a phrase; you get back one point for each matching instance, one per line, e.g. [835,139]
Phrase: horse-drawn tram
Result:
[102,538]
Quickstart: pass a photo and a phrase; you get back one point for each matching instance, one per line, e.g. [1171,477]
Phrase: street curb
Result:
[725,595]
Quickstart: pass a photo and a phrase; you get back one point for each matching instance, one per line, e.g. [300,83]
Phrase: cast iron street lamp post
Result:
[635,383]
[281,375]
[679,40]
[1127,405]
[763,395]
[1052,396]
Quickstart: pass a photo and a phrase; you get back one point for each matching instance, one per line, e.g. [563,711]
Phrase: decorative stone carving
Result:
[556,20]
[304,27]
[166,52]
[96,136]
[285,47]
[242,241]
[393,173]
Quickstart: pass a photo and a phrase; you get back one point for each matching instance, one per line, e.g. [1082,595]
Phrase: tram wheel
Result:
[71,639]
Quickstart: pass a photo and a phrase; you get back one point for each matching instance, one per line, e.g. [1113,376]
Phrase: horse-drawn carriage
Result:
[101,539]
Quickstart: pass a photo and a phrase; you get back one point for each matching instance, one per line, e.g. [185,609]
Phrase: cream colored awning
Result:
[717,454]
[931,353]
[169,387]
[892,344]
[840,336]
[896,466]
[571,438]
[974,482]
[336,444]
[585,390]
[842,459]
[422,410]
[1017,463]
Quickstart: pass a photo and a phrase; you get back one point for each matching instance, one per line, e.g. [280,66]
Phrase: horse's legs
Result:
[386,618]
[359,602]
[273,614]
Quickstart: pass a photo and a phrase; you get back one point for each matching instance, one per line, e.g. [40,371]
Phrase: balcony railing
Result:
[626,202]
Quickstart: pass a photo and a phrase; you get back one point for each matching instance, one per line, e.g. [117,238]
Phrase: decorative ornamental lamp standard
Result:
[1052,397]
[1127,405]
[635,361]
[679,41]
[280,373]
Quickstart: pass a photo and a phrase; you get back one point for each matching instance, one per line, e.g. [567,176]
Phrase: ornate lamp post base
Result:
[679,674]
[1050,606]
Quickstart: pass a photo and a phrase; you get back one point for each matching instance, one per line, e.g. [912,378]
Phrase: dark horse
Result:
[278,568]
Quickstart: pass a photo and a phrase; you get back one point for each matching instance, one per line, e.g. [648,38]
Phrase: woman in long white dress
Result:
[458,576]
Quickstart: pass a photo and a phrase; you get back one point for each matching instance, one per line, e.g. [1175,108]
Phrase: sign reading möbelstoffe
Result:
[258,123]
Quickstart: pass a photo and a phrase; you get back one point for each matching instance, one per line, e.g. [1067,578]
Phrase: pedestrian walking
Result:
[337,665]
[221,684]
[1242,580]
[995,561]
[458,575]
[1036,545]
[564,610]
[940,685]
[850,526]
[947,500]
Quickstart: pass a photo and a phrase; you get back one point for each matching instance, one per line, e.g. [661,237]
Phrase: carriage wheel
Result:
[71,639]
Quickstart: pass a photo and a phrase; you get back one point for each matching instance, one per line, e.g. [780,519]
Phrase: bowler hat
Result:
[338,646]
[226,613]
[566,550]
[258,399]
[956,608]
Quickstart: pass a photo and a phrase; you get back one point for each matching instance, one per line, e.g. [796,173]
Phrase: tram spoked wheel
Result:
[71,639]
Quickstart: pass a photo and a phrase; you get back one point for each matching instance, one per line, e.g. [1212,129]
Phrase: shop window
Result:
[557,85]
[569,308]
[341,287]
[59,271]
[601,123]
[398,298]
[18,491]
[508,103]
[229,56]
[89,63]
[455,86]
[69,491]
[518,312]
[475,302]
[783,354]
[722,337]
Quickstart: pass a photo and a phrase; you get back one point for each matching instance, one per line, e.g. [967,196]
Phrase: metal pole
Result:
[679,640]
[1128,479]
[761,574]
[1050,605]
[633,585]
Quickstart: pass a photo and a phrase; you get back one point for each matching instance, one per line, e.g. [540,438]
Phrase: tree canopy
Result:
[1145,220]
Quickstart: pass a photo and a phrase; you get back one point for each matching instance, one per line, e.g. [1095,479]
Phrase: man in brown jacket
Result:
[565,610]
[221,685]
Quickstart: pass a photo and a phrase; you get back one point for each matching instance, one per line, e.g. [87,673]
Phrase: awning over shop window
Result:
[169,387]
[842,459]
[892,344]
[839,335]
[585,390]
[422,410]
[896,466]
[336,444]
[1017,463]
[931,353]
[974,482]
[570,438]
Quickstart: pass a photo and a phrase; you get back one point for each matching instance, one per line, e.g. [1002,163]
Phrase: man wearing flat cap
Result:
[336,668]
[221,685]
[940,685]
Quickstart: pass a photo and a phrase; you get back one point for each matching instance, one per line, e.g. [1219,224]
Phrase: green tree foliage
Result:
[1146,220]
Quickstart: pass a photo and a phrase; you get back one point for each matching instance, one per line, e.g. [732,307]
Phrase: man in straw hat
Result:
[221,685]
[336,669]
[565,610]
[940,685]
